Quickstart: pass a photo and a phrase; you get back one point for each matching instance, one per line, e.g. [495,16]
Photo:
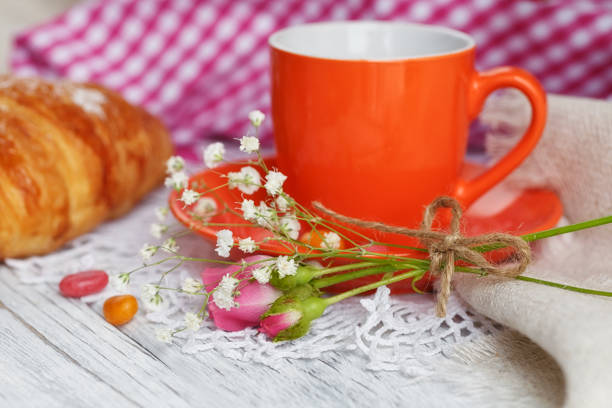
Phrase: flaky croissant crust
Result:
[71,156]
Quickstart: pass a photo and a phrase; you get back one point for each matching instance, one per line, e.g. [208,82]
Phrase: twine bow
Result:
[445,248]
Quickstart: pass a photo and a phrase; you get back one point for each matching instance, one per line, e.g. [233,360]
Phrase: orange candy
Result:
[120,309]
[315,239]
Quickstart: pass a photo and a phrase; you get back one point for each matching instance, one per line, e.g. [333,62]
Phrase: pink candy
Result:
[83,283]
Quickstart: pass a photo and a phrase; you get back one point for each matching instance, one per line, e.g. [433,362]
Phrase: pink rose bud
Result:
[274,324]
[253,299]
[290,315]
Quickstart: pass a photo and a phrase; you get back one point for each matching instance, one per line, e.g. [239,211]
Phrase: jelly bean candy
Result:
[83,283]
[120,309]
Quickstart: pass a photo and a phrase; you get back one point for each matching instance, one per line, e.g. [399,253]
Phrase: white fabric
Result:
[574,158]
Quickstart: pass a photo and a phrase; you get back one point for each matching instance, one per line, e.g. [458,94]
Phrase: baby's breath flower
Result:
[290,226]
[189,196]
[170,245]
[148,291]
[274,182]
[249,212]
[148,251]
[228,283]
[120,282]
[225,240]
[174,164]
[192,321]
[164,335]
[161,213]
[157,230]
[177,181]
[256,117]
[213,154]
[247,180]
[205,208]
[249,144]
[224,292]
[262,274]
[247,245]
[285,266]
[331,240]
[265,215]
[151,298]
[191,285]
[281,203]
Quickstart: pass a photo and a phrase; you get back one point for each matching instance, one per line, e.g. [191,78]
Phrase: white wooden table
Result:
[58,352]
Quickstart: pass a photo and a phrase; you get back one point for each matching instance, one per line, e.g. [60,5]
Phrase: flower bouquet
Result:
[282,291]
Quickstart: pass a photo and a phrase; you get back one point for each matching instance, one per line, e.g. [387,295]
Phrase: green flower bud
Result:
[290,315]
[304,274]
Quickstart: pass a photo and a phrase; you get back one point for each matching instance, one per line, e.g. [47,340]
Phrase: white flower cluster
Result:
[274,182]
[281,203]
[205,208]
[262,274]
[177,181]
[266,216]
[151,298]
[175,169]
[290,226]
[175,164]
[148,251]
[331,240]
[214,154]
[249,144]
[246,180]
[225,241]
[189,196]
[256,117]
[191,285]
[249,211]
[285,266]
[223,294]
[247,245]
[170,246]
[120,282]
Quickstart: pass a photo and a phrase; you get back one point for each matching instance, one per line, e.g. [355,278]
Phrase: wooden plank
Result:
[84,357]
[71,326]
[34,372]
[135,365]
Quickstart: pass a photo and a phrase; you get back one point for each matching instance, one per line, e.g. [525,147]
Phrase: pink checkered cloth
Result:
[202,64]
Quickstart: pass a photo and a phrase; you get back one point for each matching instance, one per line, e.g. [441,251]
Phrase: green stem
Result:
[535,236]
[341,268]
[541,282]
[366,288]
[565,287]
[332,280]
[568,228]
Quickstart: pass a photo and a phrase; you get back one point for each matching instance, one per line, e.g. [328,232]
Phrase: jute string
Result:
[445,248]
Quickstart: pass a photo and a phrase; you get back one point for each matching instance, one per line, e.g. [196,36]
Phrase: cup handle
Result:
[482,84]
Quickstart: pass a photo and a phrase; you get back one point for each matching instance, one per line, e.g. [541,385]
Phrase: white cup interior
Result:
[370,40]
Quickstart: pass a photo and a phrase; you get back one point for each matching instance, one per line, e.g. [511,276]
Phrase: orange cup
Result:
[371,118]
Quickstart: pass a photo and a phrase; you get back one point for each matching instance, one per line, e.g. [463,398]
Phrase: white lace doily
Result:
[399,333]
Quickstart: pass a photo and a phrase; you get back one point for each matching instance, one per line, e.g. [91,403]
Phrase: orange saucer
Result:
[499,210]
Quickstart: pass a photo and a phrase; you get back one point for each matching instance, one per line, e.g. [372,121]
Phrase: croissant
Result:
[71,156]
